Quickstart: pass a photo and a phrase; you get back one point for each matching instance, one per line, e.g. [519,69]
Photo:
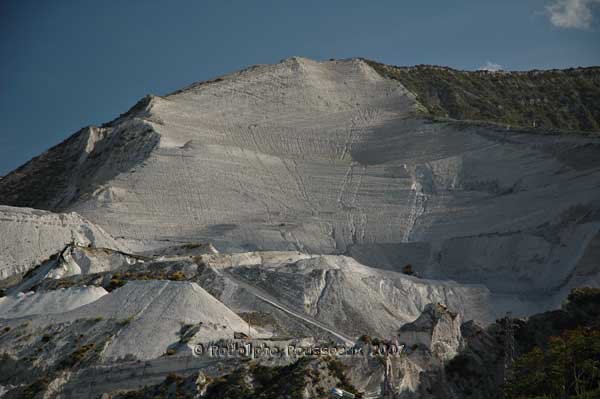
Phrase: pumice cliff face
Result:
[336,158]
[305,200]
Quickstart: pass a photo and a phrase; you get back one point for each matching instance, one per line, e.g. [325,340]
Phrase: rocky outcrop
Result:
[306,378]
[31,236]
[335,290]
[76,259]
[437,329]
[485,360]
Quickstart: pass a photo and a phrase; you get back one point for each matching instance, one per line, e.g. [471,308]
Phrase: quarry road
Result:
[273,302]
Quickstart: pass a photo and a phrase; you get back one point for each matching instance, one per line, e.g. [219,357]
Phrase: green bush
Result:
[568,368]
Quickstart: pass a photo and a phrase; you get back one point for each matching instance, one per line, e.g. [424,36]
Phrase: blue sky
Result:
[69,64]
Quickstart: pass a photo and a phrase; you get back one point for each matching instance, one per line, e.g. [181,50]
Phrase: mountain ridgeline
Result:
[540,100]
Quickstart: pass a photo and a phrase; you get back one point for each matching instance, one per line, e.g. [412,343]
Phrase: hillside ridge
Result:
[566,100]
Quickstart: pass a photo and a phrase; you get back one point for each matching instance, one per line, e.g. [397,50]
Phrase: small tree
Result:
[568,368]
[408,269]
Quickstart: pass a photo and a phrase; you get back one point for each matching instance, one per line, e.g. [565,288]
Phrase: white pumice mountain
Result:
[307,202]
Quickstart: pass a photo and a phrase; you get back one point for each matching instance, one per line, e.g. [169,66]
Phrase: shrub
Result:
[170,352]
[114,284]
[365,338]
[36,387]
[124,322]
[177,276]
[408,269]
[76,356]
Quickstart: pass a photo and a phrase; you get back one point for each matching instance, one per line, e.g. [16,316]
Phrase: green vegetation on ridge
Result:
[547,100]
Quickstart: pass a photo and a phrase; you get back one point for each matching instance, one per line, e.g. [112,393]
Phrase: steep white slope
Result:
[269,145]
[31,236]
[59,301]
[320,157]
[328,157]
[338,291]
[152,314]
